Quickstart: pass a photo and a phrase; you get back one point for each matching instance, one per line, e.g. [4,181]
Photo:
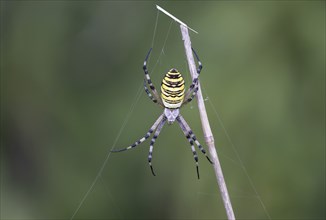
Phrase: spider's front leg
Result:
[189,98]
[193,89]
[155,97]
[149,93]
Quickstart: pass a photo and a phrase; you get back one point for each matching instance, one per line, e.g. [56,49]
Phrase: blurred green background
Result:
[71,89]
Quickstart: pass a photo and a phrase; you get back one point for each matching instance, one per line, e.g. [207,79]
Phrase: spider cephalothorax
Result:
[172,98]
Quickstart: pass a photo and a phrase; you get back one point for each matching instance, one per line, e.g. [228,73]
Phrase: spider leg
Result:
[156,134]
[191,143]
[154,99]
[200,67]
[195,156]
[189,98]
[191,135]
[192,91]
[149,81]
[150,131]
[149,93]
[199,146]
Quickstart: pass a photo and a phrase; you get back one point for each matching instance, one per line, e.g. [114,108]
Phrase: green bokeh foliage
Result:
[70,71]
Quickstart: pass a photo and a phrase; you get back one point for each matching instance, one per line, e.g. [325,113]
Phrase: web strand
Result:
[162,50]
[238,157]
[108,192]
[127,118]
[155,27]
[136,100]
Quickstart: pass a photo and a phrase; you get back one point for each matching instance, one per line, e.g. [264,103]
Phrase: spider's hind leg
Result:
[150,131]
[192,135]
[189,134]
[156,134]
[183,128]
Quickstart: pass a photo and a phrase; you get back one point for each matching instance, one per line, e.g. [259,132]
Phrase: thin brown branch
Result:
[209,138]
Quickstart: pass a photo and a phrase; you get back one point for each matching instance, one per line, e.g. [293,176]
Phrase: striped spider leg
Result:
[156,134]
[148,134]
[158,125]
[155,100]
[189,134]
[155,97]
[193,89]
[186,133]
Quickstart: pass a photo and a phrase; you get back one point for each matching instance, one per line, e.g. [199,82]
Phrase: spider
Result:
[172,98]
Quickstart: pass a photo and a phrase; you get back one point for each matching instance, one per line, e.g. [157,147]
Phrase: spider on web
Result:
[173,96]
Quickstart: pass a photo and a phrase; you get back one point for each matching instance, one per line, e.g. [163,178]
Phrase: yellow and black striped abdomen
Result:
[173,89]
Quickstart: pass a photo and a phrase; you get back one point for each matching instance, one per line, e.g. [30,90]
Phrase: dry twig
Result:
[209,138]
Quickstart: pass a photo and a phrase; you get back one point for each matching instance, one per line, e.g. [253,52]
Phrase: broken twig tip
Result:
[174,18]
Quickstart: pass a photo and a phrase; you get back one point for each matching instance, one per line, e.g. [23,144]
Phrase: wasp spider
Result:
[172,98]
